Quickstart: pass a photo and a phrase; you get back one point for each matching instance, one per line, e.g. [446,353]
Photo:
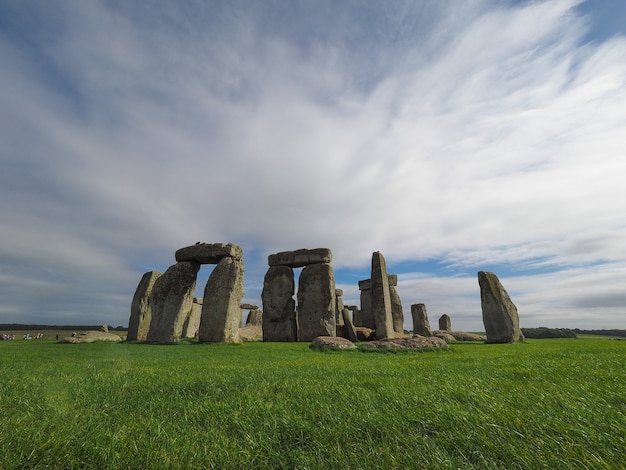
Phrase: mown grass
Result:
[541,404]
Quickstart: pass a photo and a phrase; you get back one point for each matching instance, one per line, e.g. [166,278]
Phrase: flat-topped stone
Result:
[209,253]
[249,307]
[366,284]
[299,258]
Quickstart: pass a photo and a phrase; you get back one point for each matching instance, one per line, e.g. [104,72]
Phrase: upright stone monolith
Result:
[445,324]
[171,300]
[365,317]
[381,299]
[141,309]
[279,306]
[397,315]
[190,329]
[339,307]
[500,315]
[348,327]
[255,315]
[221,312]
[421,325]
[316,302]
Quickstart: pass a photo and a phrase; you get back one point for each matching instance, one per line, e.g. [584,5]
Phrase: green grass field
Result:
[540,404]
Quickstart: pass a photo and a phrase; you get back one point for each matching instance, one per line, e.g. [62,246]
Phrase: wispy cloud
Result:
[481,134]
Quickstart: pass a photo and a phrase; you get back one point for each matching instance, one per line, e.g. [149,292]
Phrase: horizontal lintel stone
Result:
[209,253]
[299,258]
[248,307]
[366,284]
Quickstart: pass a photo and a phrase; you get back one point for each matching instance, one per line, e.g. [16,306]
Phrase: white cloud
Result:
[476,135]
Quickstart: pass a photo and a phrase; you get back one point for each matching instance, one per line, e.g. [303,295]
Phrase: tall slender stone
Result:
[339,306]
[171,300]
[500,315]
[316,302]
[141,309]
[279,306]
[365,316]
[221,312]
[348,327]
[397,315]
[381,299]
[190,329]
[421,325]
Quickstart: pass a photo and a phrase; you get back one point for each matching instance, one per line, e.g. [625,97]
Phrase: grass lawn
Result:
[540,404]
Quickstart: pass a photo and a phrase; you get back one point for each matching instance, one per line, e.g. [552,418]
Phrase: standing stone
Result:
[279,306]
[316,302]
[500,315]
[140,308]
[339,306]
[445,324]
[365,317]
[381,299]
[190,329]
[348,327]
[255,317]
[397,315]
[221,311]
[171,300]
[356,314]
[421,325]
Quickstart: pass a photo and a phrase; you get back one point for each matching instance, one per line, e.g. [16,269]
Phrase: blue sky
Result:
[450,136]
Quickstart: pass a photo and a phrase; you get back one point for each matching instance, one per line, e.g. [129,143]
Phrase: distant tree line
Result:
[543,332]
[614,332]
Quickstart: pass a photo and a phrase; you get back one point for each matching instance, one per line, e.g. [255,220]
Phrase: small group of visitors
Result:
[7,337]
[37,336]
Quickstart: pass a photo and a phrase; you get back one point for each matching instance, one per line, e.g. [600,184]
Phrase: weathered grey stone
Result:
[190,328]
[299,258]
[140,308]
[445,324]
[91,336]
[209,253]
[465,336]
[322,343]
[365,316]
[255,317]
[316,302]
[397,315]
[339,307]
[279,306]
[381,299]
[221,312]
[249,307]
[251,333]
[171,300]
[367,283]
[500,315]
[348,327]
[421,325]
[416,343]
[364,334]
[445,335]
